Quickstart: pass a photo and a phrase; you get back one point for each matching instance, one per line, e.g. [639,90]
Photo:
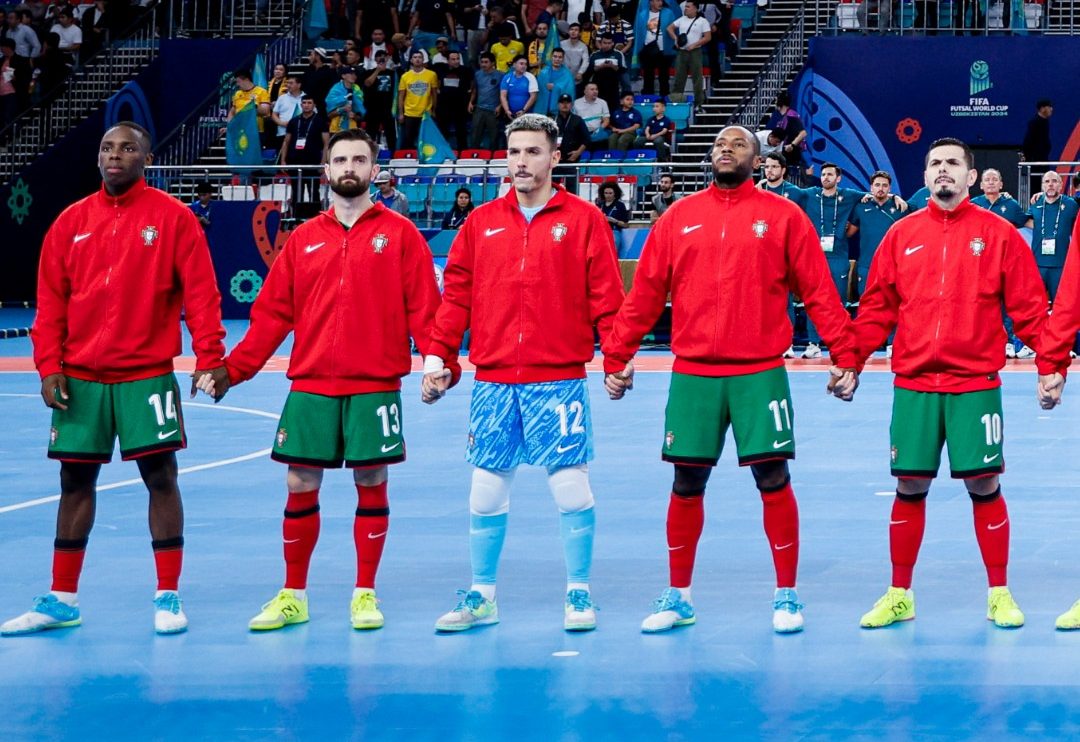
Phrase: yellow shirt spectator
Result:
[418,87]
[260,96]
[504,54]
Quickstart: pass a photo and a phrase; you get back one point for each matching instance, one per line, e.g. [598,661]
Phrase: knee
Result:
[159,474]
[302,479]
[570,488]
[770,476]
[912,490]
[690,481]
[983,489]
[78,479]
[370,476]
[490,491]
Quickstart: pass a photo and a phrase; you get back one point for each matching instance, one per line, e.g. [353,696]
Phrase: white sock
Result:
[298,594]
[361,590]
[685,591]
[488,591]
[159,593]
[577,586]
[71,599]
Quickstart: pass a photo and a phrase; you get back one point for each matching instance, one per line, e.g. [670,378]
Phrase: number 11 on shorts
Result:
[777,407]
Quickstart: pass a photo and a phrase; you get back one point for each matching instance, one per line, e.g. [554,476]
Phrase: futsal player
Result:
[728,255]
[531,274]
[352,285]
[116,269]
[940,278]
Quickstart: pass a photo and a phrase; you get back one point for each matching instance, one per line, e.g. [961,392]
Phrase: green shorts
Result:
[145,414]
[756,406]
[969,422]
[359,429]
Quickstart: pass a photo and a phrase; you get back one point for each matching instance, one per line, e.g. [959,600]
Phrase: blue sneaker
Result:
[669,611]
[580,611]
[472,610]
[169,615]
[787,611]
[49,612]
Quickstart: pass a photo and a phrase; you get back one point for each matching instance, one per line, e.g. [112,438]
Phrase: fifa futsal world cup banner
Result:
[876,103]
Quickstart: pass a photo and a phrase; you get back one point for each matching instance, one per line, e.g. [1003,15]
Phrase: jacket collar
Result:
[939,214]
[731,195]
[556,201]
[376,209]
[126,198]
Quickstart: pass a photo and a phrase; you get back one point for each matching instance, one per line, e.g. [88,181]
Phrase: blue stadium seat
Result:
[443,192]
[607,156]
[680,114]
[644,161]
[416,188]
[475,184]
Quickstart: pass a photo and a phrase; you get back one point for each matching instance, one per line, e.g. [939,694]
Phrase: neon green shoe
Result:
[897,604]
[365,610]
[1003,610]
[1070,619]
[472,610]
[285,609]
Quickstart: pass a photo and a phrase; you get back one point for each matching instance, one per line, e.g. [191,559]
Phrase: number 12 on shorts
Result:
[566,425]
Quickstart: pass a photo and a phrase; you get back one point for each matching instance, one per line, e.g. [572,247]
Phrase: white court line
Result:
[28,396]
[185,470]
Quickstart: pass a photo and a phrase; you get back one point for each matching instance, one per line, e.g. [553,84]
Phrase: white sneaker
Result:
[669,611]
[1010,350]
[787,611]
[169,615]
[580,611]
[1025,352]
[813,350]
[472,610]
[49,612]
[888,351]
[790,352]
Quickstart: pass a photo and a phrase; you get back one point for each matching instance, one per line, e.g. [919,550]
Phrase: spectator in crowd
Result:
[622,31]
[431,19]
[50,69]
[1051,219]
[551,14]
[659,132]
[786,119]
[276,85]
[518,89]
[389,196]
[657,50]
[14,82]
[484,104]
[471,15]
[689,34]
[625,124]
[554,82]
[378,44]
[345,102]
[587,31]
[204,194]
[1036,145]
[441,58]
[318,78]
[594,111]
[576,55]
[614,210]
[457,215]
[718,14]
[507,49]
[663,200]
[352,58]
[377,14]
[285,107]
[97,24]
[247,92]
[535,53]
[307,137]
[608,70]
[770,140]
[573,141]
[26,40]
[1000,203]
[70,34]
[418,93]
[455,85]
[379,100]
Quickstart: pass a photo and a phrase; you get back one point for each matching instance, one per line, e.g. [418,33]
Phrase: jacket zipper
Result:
[108,282]
[338,305]
[521,300]
[941,287]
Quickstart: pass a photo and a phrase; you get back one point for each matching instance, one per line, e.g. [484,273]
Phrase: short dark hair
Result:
[1043,102]
[7,43]
[667,175]
[353,135]
[305,97]
[558,51]
[464,190]
[488,56]
[607,36]
[204,187]
[834,166]
[243,74]
[518,58]
[969,156]
[783,98]
[625,93]
[575,25]
[881,174]
[778,157]
[143,132]
[292,76]
[778,133]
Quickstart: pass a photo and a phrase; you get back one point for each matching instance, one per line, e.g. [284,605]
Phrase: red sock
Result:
[369,531]
[906,528]
[67,564]
[781,515]
[685,519]
[300,533]
[992,531]
[168,559]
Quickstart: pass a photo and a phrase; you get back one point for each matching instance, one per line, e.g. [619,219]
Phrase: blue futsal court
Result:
[949,674]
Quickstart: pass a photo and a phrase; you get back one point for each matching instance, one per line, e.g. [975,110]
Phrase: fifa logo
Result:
[980,77]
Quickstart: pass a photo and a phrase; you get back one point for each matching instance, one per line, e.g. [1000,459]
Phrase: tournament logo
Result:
[669,439]
[760,228]
[980,77]
[977,246]
[558,232]
[149,235]
[979,102]
[282,436]
[379,242]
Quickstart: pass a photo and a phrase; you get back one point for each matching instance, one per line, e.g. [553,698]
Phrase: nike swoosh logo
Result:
[564,449]
[388,449]
[163,435]
[676,548]
[999,525]
[897,522]
[780,444]
[376,535]
[81,237]
[915,249]
[291,540]
[578,530]
[313,248]
[489,232]
[688,230]
[785,546]
[988,459]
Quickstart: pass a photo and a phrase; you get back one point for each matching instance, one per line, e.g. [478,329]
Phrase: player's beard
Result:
[732,178]
[357,187]
[944,191]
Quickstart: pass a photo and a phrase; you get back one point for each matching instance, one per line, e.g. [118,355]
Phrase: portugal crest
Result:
[669,439]
[282,436]
[52,435]
[760,228]
[379,242]
[977,246]
[558,232]
[149,235]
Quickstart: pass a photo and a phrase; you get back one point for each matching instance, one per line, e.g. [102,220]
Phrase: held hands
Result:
[436,380]
[214,381]
[842,383]
[1048,390]
[617,385]
[54,388]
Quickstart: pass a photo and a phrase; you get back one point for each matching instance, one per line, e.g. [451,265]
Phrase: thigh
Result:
[309,431]
[85,432]
[496,435]
[974,431]
[372,427]
[148,416]
[762,416]
[917,433]
[695,420]
[557,422]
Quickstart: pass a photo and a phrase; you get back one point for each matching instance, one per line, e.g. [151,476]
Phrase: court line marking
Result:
[184,470]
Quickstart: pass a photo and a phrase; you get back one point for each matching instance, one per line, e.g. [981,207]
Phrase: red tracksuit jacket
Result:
[531,292]
[1061,328]
[729,258]
[351,298]
[940,278]
[113,276]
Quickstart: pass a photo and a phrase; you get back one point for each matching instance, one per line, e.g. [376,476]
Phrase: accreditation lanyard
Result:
[301,136]
[456,220]
[609,210]
[1049,244]
[828,242]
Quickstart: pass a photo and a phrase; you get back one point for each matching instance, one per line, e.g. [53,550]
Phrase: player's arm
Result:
[202,307]
[1060,331]
[51,320]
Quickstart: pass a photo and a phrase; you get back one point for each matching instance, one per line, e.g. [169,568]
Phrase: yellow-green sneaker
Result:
[1070,619]
[1002,609]
[365,610]
[897,604]
[283,610]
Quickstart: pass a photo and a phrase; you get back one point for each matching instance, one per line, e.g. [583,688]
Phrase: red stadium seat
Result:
[405,154]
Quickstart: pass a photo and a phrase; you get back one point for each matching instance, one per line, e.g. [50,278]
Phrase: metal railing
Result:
[229,18]
[789,55]
[947,17]
[84,90]
[1028,174]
